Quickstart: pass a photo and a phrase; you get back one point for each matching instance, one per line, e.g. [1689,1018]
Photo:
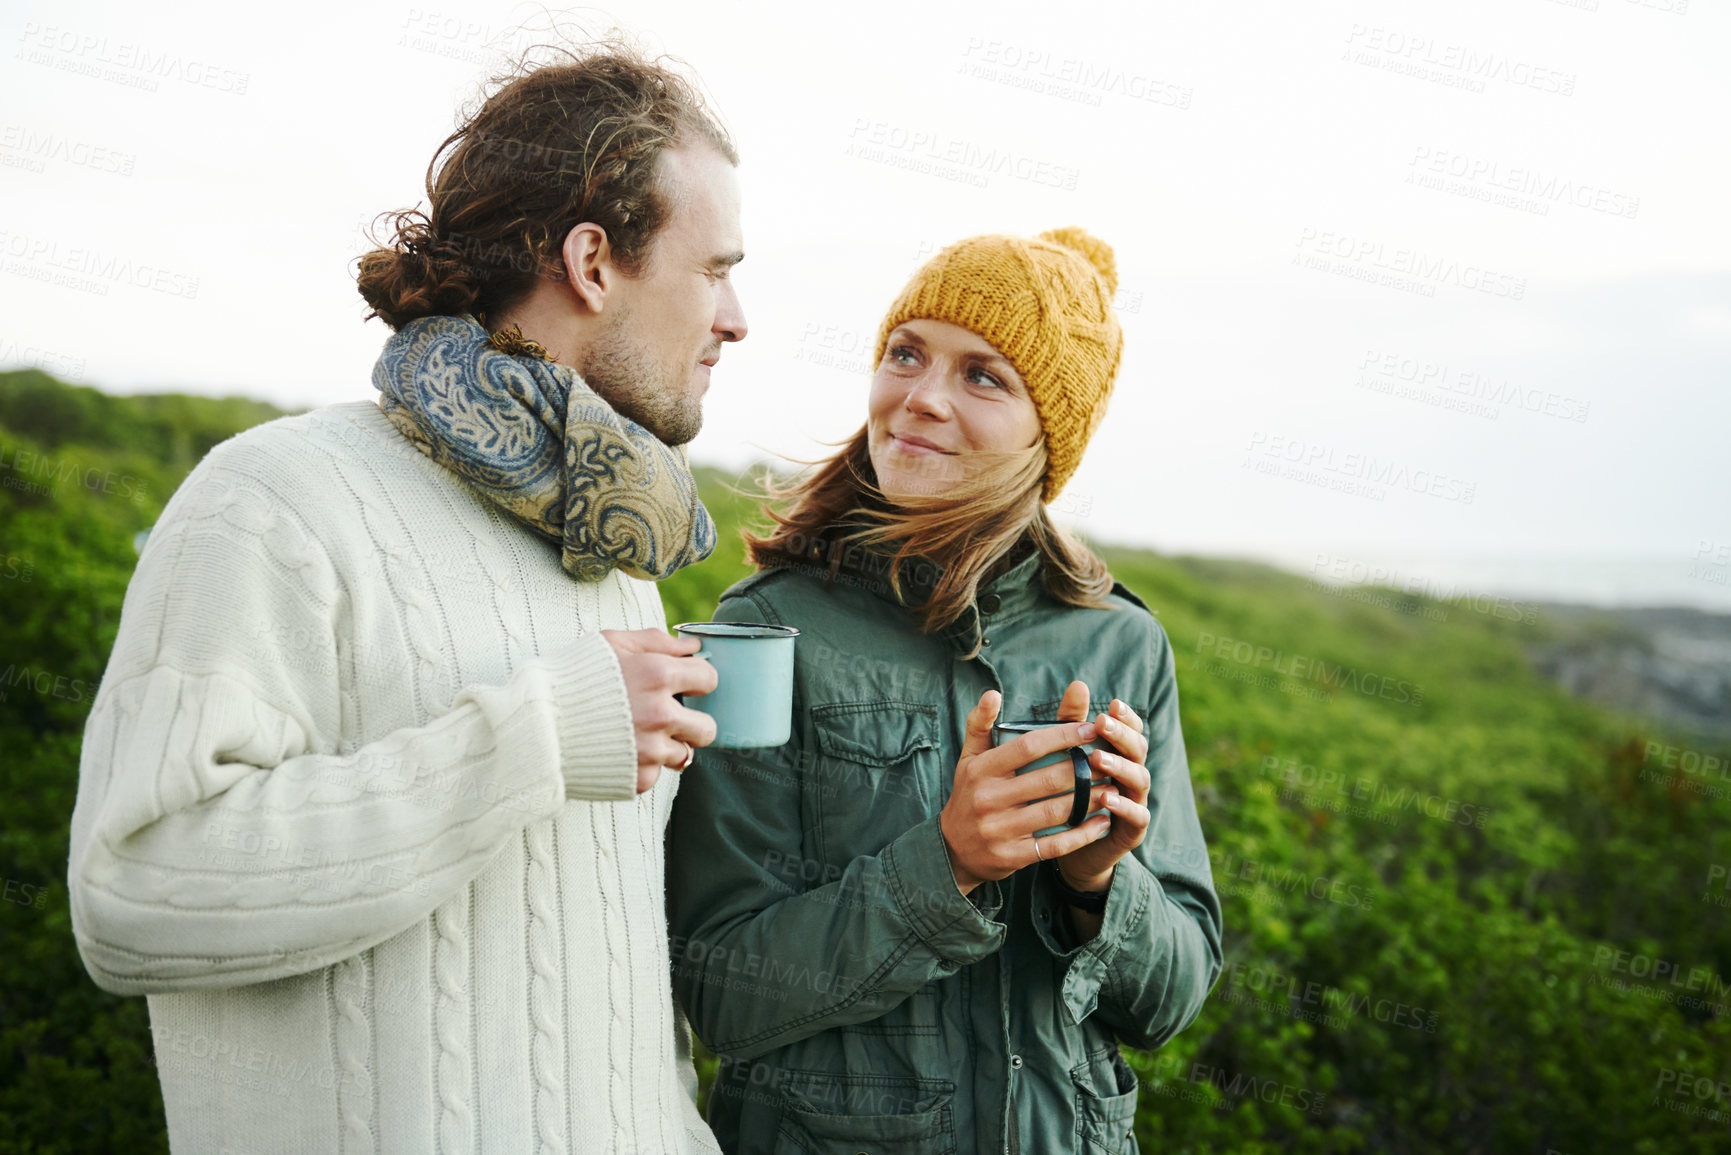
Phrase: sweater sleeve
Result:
[1148,970]
[221,834]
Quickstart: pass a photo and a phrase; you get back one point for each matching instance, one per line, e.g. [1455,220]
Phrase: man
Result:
[371,803]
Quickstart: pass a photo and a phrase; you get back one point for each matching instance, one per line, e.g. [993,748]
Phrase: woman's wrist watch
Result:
[1091,901]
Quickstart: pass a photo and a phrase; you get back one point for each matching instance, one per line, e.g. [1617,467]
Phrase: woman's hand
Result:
[988,822]
[1091,866]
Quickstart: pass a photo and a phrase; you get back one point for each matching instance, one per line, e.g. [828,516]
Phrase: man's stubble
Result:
[628,378]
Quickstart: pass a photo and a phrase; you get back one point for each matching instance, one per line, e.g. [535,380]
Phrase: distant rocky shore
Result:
[1672,665]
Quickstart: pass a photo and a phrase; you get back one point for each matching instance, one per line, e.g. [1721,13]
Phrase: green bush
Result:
[1438,898]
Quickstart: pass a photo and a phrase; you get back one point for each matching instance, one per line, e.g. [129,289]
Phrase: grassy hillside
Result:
[1464,912]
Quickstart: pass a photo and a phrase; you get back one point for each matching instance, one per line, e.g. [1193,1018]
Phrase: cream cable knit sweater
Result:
[357,811]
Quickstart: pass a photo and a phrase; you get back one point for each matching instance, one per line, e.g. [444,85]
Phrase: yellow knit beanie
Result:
[1045,303]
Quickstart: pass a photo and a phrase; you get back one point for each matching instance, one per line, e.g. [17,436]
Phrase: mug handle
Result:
[680,698]
[1084,785]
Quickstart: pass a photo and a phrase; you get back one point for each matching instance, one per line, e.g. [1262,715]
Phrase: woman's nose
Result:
[926,397]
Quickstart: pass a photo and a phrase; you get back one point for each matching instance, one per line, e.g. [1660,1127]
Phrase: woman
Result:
[866,926]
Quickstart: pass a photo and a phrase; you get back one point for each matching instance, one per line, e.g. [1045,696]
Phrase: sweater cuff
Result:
[597,736]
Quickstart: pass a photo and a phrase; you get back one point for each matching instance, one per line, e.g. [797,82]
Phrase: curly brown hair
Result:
[555,145]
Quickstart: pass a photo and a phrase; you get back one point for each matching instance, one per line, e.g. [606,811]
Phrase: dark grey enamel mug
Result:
[1077,756]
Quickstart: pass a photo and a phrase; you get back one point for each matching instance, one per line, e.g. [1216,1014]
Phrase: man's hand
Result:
[988,822]
[656,667]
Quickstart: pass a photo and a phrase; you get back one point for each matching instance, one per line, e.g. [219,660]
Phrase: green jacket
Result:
[857,1000]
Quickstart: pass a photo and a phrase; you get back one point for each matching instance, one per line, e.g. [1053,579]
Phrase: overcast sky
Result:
[1442,288]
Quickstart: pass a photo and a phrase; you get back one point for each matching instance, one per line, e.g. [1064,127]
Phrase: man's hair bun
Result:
[416,274]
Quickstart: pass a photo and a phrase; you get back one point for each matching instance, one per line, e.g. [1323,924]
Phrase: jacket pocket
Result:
[882,1115]
[1106,1090]
[1098,700]
[876,775]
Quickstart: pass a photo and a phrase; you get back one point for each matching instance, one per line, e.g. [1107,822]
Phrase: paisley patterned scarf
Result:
[529,434]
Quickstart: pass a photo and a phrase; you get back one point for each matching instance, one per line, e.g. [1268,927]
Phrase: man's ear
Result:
[589,267]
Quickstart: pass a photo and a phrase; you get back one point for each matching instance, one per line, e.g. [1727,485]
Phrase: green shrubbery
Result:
[1464,913]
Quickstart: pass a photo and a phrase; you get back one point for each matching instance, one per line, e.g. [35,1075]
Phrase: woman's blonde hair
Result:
[970,532]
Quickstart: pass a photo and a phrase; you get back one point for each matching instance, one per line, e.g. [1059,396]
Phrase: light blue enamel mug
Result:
[1083,779]
[752,702]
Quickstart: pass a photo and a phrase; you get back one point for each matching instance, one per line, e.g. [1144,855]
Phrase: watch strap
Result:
[1091,901]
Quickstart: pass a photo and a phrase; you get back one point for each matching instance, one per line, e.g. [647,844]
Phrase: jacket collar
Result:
[1009,595]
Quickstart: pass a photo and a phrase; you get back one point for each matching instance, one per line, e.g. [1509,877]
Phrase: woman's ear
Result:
[589,270]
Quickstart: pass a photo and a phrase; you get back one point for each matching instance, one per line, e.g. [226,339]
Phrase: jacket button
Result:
[985,641]
[989,604]
[1015,1062]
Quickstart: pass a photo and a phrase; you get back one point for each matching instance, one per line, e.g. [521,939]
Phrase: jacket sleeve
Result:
[1148,970]
[221,837]
[763,957]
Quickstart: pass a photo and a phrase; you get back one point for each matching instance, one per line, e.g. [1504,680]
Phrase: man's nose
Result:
[730,317]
